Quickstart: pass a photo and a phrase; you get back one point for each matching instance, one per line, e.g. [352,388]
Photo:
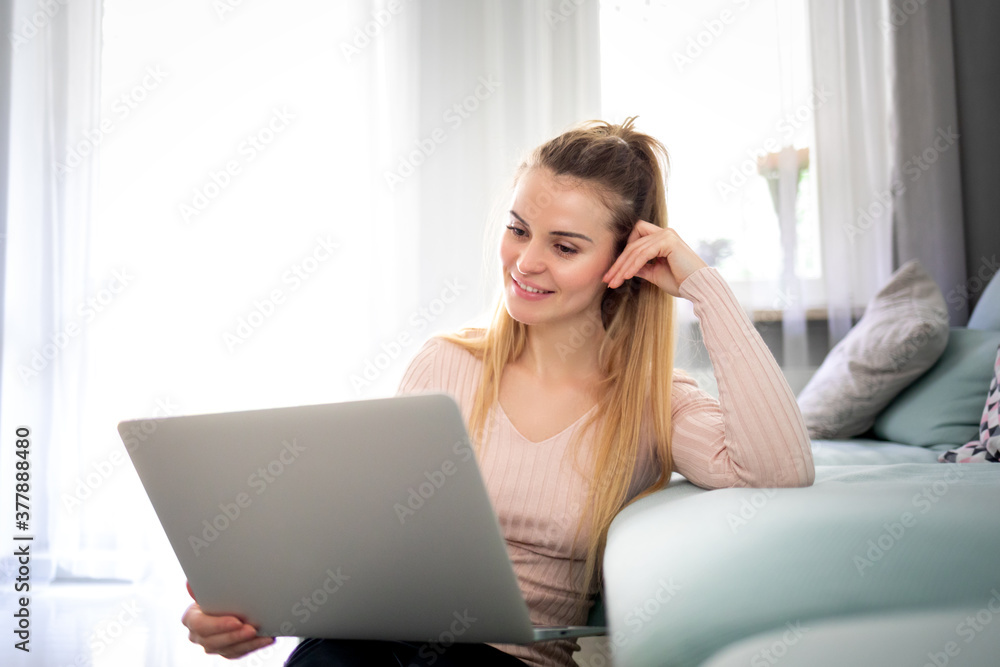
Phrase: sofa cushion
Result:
[986,447]
[901,334]
[946,403]
[863,451]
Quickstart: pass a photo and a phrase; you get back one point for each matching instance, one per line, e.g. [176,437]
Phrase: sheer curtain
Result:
[54,95]
[292,197]
[887,147]
[728,90]
[852,59]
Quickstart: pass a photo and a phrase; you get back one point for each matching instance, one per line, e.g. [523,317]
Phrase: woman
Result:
[570,394]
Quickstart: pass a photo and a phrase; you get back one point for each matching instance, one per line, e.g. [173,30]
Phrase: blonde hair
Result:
[626,169]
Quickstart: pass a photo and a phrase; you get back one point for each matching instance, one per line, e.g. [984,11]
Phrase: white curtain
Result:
[851,55]
[729,91]
[536,67]
[54,94]
[292,197]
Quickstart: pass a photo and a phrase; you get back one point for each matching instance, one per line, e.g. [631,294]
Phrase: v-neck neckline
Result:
[551,437]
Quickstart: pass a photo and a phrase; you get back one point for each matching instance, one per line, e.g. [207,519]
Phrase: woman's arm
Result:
[754,434]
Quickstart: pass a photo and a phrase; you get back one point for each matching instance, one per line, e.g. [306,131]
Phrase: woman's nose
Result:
[531,259]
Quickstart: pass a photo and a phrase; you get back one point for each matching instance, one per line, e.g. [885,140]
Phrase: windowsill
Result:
[812,314]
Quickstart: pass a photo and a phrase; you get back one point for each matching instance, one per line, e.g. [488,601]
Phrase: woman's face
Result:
[556,248]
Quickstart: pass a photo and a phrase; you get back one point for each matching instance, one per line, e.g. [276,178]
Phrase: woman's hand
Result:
[227,636]
[657,255]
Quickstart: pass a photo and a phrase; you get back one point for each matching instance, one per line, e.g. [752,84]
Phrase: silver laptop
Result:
[357,520]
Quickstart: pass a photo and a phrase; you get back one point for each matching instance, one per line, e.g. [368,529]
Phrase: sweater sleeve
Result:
[754,434]
[419,375]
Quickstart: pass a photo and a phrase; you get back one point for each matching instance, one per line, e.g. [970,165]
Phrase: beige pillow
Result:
[902,333]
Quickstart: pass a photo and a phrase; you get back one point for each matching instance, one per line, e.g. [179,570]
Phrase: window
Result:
[726,86]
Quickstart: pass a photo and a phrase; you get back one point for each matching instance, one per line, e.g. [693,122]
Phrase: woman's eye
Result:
[566,250]
[516,231]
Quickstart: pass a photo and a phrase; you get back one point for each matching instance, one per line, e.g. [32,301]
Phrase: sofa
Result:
[887,559]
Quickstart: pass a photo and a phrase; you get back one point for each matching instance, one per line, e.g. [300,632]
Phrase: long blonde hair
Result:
[626,169]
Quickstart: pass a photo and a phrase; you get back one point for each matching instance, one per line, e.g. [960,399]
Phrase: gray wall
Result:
[975,27]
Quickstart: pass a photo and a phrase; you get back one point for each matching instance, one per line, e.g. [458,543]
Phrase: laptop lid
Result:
[356,520]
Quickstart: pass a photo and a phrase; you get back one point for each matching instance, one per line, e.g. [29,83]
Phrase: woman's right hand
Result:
[227,636]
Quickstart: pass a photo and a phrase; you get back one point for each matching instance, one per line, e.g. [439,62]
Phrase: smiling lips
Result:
[528,288]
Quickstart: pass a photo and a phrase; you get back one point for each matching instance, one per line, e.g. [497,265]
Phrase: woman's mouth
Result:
[527,289]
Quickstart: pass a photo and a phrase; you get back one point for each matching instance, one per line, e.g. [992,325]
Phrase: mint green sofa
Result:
[890,558]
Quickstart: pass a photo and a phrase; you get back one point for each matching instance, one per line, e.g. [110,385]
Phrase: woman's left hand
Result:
[656,255]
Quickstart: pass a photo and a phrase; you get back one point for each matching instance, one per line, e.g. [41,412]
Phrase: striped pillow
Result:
[985,448]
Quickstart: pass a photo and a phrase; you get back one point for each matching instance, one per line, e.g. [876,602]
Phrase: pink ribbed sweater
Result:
[753,435]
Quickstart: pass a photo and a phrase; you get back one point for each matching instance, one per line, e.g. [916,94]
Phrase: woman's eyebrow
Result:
[569,234]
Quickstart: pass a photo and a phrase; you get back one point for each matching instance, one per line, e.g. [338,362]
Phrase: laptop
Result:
[356,520]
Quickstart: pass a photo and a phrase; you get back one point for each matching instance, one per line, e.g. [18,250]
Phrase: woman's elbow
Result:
[804,472]
[792,472]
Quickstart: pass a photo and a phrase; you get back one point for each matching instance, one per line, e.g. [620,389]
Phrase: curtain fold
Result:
[927,220]
[851,60]
[499,77]
[55,98]
[887,149]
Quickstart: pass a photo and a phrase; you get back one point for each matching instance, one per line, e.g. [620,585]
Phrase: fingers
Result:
[636,254]
[227,636]
[655,254]
[235,644]
[643,228]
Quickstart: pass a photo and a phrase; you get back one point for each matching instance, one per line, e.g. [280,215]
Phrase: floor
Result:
[116,625]
[123,625]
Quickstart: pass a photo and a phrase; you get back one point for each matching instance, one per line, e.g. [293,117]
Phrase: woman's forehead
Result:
[542,198]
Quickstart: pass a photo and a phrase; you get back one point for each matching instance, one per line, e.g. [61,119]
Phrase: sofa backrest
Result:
[987,312]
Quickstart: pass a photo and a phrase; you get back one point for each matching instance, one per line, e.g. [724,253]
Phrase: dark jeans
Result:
[362,653]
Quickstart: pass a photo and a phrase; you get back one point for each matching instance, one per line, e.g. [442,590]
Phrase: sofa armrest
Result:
[688,572]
